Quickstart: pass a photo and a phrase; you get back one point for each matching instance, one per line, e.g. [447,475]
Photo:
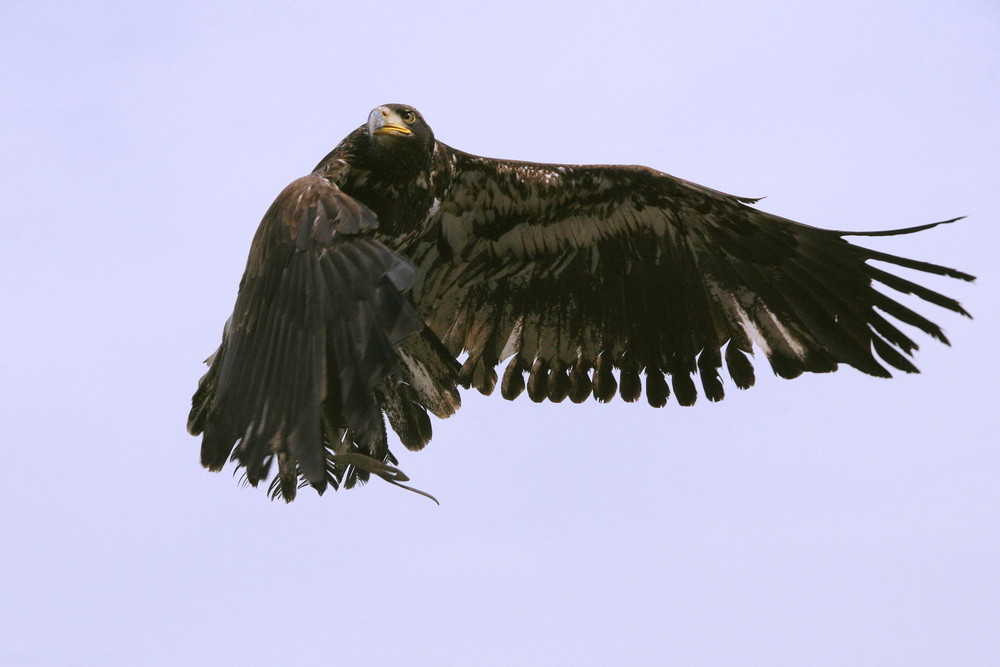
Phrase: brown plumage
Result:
[582,280]
[320,344]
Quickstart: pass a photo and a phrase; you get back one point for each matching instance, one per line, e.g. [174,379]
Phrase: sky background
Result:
[830,520]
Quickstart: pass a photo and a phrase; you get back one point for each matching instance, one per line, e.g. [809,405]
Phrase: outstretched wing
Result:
[308,360]
[572,271]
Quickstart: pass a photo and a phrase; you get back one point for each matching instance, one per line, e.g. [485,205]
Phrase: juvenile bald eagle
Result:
[370,276]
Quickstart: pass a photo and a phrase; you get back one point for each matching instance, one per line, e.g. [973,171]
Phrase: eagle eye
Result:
[408,116]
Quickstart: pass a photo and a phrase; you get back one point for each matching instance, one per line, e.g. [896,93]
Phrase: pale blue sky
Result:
[830,520]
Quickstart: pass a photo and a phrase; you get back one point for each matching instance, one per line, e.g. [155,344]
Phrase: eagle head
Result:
[400,143]
[397,121]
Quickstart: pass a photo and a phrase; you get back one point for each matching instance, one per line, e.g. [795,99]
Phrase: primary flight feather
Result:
[369,277]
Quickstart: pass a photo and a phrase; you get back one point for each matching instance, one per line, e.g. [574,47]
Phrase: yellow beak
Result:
[393,128]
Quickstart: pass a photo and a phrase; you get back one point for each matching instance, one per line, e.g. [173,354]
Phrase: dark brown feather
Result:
[580,382]
[309,359]
[513,379]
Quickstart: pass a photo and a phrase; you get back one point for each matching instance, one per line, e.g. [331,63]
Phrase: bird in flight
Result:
[369,278]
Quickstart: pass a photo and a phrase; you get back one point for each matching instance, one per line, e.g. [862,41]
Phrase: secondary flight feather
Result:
[369,277]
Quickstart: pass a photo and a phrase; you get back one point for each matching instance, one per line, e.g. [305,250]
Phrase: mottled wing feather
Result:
[573,270]
[311,348]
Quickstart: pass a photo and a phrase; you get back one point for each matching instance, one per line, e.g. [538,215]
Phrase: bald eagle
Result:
[368,278]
